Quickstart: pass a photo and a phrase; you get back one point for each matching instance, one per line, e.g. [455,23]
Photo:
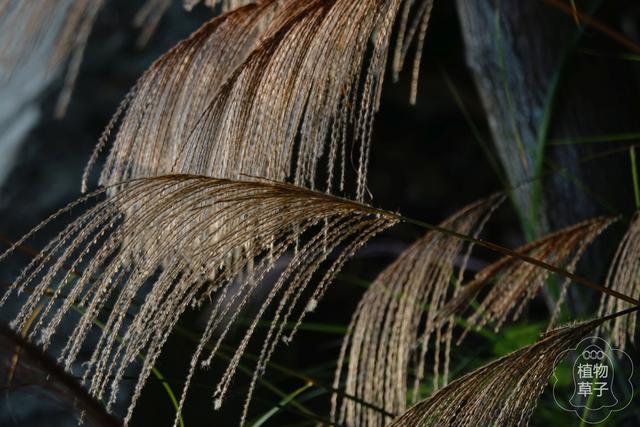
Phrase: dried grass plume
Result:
[624,277]
[311,83]
[174,243]
[395,323]
[502,393]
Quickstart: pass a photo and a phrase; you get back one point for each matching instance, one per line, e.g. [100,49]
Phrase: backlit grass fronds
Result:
[160,246]
[514,282]
[395,321]
[311,84]
[624,277]
[166,103]
[502,393]
[58,28]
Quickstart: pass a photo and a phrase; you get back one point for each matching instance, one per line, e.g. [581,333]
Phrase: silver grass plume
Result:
[288,109]
[502,393]
[166,103]
[624,277]
[60,26]
[513,282]
[124,256]
[392,326]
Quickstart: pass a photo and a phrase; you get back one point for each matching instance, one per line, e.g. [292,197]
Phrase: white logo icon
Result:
[597,391]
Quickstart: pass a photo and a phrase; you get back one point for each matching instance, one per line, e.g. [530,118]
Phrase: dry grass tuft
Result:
[624,277]
[514,282]
[174,243]
[392,327]
[312,83]
[168,101]
[502,393]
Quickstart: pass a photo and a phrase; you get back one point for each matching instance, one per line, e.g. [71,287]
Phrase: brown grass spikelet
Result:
[502,393]
[513,282]
[164,106]
[304,84]
[623,276]
[151,242]
[395,320]
[312,83]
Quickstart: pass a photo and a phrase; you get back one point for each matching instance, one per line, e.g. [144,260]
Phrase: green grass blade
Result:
[595,139]
[545,123]
[634,175]
[285,401]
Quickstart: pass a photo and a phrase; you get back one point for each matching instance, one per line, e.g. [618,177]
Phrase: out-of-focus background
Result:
[427,161]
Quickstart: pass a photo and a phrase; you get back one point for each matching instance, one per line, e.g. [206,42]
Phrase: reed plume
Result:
[195,209]
[623,276]
[310,84]
[167,102]
[514,282]
[151,241]
[409,307]
[395,320]
[502,393]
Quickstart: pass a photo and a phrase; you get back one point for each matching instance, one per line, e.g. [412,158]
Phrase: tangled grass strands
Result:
[406,33]
[179,241]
